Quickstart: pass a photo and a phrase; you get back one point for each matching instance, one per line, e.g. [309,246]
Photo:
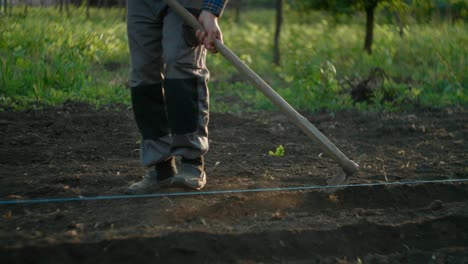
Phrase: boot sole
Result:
[161,184]
[182,183]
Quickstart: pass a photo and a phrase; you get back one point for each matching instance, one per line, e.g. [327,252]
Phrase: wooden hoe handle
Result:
[308,128]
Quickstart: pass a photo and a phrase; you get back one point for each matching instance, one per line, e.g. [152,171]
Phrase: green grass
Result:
[47,58]
[427,67]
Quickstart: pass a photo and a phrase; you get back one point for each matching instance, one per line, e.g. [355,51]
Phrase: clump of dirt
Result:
[78,150]
[365,90]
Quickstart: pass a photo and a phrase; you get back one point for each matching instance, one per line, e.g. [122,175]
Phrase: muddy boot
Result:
[191,174]
[160,177]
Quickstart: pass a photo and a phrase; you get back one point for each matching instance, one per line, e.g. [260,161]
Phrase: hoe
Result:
[349,167]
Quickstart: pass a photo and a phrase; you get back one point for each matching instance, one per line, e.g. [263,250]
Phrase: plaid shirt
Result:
[214,6]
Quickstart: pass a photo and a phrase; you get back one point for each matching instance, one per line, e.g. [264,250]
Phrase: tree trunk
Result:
[88,4]
[279,22]
[103,3]
[400,24]
[123,3]
[370,14]
[67,2]
[238,10]
[5,6]
[25,10]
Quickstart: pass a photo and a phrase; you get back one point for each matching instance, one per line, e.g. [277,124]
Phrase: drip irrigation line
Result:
[214,192]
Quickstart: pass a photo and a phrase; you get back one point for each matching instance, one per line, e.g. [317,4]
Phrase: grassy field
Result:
[48,58]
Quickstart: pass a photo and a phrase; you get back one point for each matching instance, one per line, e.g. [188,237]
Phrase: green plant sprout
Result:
[279,152]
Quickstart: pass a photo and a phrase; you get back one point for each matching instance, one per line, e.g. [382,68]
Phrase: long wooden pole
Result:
[300,121]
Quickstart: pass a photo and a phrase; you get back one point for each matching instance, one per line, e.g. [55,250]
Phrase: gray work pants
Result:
[168,81]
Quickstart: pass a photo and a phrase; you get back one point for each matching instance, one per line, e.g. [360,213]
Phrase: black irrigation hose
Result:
[279,189]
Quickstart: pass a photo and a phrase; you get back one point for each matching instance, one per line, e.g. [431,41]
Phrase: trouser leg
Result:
[171,112]
[185,85]
[144,27]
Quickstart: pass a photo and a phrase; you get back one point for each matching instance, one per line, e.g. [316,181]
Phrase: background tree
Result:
[25,4]
[237,5]
[369,7]
[63,3]
[397,11]
[88,6]
[348,7]
[123,5]
[103,3]
[5,7]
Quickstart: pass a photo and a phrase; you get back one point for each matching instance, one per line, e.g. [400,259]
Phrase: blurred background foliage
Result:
[53,51]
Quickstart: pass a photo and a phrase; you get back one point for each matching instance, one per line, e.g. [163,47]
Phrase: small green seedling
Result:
[278,153]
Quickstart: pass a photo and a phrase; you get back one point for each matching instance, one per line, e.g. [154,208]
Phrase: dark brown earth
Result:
[78,150]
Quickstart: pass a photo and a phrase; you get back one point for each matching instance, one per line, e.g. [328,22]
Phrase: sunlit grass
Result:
[427,66]
[48,58]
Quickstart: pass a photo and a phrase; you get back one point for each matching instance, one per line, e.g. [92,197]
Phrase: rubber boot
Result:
[160,177]
[191,174]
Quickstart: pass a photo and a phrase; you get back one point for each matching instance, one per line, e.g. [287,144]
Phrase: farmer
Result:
[168,82]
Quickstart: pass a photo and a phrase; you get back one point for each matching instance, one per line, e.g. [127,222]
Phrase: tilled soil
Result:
[78,150]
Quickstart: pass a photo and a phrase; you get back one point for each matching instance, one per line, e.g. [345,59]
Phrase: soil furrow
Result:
[352,241]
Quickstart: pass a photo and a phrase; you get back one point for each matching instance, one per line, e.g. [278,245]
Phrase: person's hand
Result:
[212,30]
